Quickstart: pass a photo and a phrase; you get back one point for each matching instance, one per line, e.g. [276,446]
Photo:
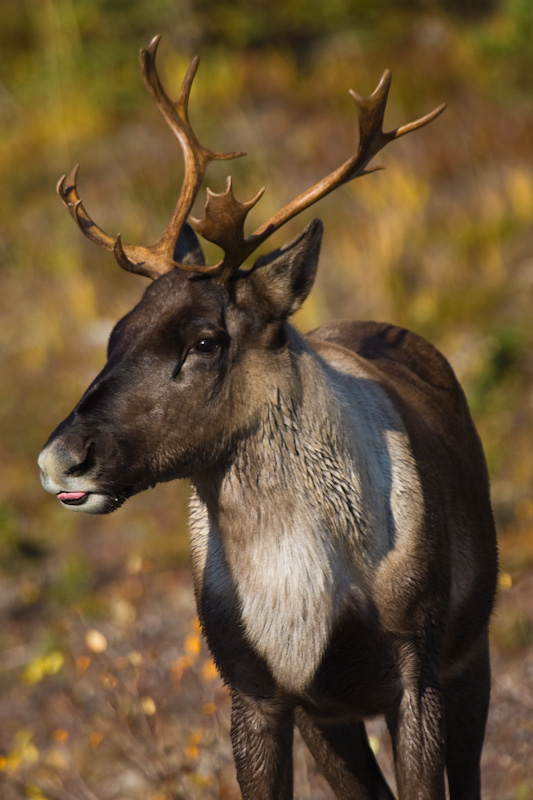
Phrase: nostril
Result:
[83,466]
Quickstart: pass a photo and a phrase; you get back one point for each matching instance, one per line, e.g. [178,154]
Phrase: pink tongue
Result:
[71,495]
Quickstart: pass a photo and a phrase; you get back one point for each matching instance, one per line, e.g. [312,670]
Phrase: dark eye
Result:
[206,346]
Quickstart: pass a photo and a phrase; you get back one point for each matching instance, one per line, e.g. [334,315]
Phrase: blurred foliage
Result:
[442,242]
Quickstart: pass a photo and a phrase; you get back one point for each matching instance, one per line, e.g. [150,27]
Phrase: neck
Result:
[304,464]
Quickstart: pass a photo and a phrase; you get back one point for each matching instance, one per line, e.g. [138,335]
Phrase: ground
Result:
[120,701]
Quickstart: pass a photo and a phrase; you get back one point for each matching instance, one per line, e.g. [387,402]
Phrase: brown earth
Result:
[126,705]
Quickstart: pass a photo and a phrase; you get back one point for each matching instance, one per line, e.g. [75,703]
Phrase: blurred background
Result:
[106,690]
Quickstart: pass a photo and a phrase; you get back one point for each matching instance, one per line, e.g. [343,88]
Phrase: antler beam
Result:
[225,216]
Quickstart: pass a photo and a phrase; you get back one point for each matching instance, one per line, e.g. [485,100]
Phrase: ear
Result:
[281,280]
[188,249]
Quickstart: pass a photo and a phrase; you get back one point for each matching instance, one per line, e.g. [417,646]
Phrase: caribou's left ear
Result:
[281,280]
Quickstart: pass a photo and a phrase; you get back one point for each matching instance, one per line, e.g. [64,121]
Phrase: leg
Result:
[467,702]
[345,758]
[417,730]
[262,737]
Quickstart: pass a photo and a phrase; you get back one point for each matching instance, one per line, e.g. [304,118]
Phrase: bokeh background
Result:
[106,690]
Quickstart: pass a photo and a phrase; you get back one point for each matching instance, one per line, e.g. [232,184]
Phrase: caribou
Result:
[342,538]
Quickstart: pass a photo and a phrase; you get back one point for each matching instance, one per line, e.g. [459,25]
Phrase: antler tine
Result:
[68,192]
[372,138]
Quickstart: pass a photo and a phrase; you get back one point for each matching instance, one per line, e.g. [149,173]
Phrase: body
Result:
[342,539]
[342,618]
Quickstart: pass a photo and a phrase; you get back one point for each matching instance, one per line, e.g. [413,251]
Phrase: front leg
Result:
[344,756]
[262,732]
[418,735]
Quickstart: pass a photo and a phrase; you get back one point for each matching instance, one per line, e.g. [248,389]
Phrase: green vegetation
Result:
[442,242]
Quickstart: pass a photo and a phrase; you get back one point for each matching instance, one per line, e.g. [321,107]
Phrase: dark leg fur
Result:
[262,734]
[467,702]
[345,758]
[417,730]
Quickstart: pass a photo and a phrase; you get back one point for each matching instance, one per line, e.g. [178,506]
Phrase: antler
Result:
[225,216]
[155,260]
[372,139]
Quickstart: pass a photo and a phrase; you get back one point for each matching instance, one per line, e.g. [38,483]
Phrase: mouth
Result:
[73,498]
[93,502]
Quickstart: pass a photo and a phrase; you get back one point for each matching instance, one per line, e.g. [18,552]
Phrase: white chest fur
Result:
[290,582]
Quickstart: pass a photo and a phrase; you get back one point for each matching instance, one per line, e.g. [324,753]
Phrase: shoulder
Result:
[396,354]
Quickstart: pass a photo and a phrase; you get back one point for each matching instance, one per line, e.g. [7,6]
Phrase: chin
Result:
[93,502]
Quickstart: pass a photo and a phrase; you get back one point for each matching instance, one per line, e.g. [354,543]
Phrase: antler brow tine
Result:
[68,192]
[225,216]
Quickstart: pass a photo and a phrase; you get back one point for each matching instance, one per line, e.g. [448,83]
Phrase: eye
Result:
[206,346]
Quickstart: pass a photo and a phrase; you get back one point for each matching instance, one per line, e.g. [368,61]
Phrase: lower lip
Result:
[73,498]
